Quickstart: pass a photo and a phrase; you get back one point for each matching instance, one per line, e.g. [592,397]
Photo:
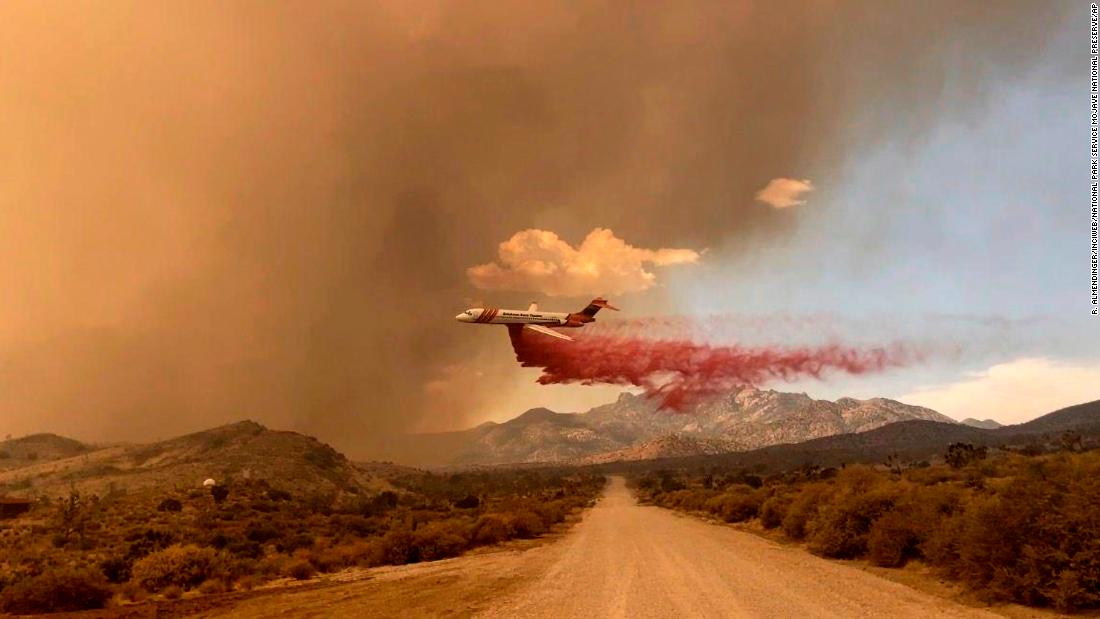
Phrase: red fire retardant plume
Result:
[681,372]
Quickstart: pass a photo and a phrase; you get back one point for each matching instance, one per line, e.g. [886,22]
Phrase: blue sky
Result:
[968,232]
[984,217]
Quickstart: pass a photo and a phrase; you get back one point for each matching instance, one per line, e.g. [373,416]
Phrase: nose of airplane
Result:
[463,317]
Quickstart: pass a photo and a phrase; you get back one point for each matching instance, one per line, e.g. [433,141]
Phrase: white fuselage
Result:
[494,316]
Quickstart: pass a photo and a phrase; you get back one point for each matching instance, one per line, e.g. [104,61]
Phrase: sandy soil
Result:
[621,560]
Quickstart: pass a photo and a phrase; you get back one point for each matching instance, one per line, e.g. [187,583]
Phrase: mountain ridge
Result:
[633,427]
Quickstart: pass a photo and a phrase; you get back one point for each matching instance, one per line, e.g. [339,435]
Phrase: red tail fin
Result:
[596,305]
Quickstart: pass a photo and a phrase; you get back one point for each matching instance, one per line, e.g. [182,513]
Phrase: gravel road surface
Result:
[621,560]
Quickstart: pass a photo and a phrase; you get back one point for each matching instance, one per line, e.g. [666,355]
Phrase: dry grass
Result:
[129,546]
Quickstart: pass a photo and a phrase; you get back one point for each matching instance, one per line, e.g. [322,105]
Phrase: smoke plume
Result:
[219,210]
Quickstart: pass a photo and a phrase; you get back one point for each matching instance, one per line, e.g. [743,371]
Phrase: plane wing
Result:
[546,331]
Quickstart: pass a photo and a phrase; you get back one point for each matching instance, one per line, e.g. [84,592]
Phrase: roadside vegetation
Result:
[1012,526]
[80,552]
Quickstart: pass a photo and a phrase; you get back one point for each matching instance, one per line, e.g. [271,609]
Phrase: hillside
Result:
[244,450]
[912,440]
[633,428]
[670,446]
[35,448]
[1080,418]
[987,424]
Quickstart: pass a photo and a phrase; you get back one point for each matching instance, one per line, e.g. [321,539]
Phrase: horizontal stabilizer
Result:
[545,331]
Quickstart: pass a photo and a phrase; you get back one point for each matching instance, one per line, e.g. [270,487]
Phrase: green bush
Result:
[182,566]
[56,591]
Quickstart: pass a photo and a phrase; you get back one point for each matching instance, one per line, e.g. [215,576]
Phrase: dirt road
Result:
[621,560]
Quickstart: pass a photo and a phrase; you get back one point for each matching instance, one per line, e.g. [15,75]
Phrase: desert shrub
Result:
[735,505]
[262,533]
[294,542]
[116,569]
[211,586]
[687,499]
[219,493]
[56,590]
[274,494]
[468,502]
[270,566]
[172,592]
[356,525]
[264,506]
[324,559]
[147,541]
[1037,541]
[961,454]
[183,566]
[526,524]
[941,545]
[491,529]
[773,510]
[132,592]
[359,552]
[397,547]
[244,548]
[439,540]
[170,505]
[324,457]
[378,504]
[892,540]
[803,508]
[841,527]
[248,582]
[552,512]
[301,569]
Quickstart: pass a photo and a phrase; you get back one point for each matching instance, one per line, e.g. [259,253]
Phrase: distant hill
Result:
[241,450]
[25,451]
[988,424]
[1080,418]
[632,428]
[670,446]
[906,440]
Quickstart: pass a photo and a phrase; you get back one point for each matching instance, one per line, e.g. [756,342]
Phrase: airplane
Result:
[534,320]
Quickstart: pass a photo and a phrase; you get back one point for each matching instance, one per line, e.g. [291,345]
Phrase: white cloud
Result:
[784,192]
[1012,392]
[539,261]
